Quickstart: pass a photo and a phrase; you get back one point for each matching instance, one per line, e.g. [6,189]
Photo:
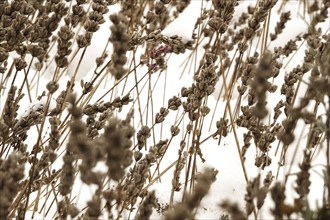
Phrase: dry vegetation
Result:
[47,150]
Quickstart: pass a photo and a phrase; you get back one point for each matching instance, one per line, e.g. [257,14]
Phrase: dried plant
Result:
[89,100]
